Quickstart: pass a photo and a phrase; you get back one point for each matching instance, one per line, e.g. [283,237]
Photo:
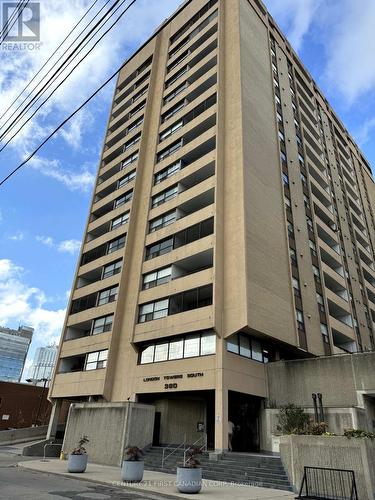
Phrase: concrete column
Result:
[54,418]
[221,420]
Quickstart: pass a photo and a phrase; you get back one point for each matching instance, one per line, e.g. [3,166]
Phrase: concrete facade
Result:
[332,452]
[217,238]
[110,427]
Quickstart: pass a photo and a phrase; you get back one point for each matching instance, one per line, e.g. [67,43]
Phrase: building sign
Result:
[169,378]
[5,417]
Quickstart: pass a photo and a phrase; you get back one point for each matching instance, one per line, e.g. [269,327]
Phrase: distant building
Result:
[44,361]
[14,346]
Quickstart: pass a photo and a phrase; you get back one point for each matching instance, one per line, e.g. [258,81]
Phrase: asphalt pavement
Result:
[21,484]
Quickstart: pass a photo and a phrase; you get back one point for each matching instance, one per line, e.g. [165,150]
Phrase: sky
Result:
[44,207]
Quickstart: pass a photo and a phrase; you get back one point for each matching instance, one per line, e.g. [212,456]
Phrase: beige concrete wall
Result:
[333,452]
[179,419]
[337,378]
[110,427]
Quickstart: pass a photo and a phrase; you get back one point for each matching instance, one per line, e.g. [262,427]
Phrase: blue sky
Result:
[43,208]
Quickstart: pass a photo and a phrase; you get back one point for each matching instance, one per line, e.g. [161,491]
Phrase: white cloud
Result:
[19,236]
[363,134]
[21,303]
[350,67]
[57,18]
[65,246]
[295,16]
[76,180]
[69,246]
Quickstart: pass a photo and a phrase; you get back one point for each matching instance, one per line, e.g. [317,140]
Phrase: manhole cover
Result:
[93,496]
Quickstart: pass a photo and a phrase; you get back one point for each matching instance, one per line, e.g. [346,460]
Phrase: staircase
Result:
[245,468]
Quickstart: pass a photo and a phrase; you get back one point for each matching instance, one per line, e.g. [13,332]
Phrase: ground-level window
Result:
[187,346]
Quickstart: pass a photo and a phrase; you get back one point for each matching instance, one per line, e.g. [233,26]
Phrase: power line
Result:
[66,119]
[14,17]
[47,61]
[22,112]
[59,85]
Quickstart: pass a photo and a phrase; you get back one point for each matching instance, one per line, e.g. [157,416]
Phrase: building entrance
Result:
[243,411]
[182,415]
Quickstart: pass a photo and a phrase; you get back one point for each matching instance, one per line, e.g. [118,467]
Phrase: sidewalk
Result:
[157,482]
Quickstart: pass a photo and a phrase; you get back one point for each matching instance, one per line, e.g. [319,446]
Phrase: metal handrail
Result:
[173,451]
[44,449]
[194,445]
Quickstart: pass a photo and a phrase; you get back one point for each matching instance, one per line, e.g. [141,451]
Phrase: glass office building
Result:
[14,346]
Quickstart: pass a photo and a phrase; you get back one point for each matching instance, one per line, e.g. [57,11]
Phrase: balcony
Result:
[78,384]
[343,336]
[197,267]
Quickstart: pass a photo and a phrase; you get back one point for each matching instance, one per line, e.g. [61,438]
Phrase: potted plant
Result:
[189,475]
[77,461]
[133,465]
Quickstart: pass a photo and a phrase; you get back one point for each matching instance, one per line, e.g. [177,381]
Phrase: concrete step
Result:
[253,469]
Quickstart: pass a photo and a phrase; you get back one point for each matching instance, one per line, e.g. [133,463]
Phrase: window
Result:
[309,224]
[296,287]
[187,346]
[96,360]
[290,229]
[164,196]
[191,346]
[285,179]
[115,245]
[301,160]
[316,274]
[303,179]
[176,349]
[168,172]
[170,150]
[175,93]
[153,310]
[312,248]
[193,20]
[161,352]
[107,296]
[283,158]
[293,256]
[112,269]
[162,221]
[281,136]
[171,130]
[159,248]
[134,125]
[130,160]
[287,202]
[248,347]
[178,75]
[157,278]
[175,109]
[324,329]
[132,141]
[123,199]
[120,221]
[125,180]
[178,60]
[101,325]
[300,320]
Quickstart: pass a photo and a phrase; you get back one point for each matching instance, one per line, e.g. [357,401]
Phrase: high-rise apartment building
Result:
[14,346]
[232,224]
[43,364]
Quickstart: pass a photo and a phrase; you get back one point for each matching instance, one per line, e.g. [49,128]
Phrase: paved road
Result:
[21,484]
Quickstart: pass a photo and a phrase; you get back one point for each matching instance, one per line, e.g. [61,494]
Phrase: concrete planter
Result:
[334,452]
[189,480]
[132,471]
[77,463]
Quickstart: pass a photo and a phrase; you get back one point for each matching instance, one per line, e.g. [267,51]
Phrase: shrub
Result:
[357,433]
[318,428]
[292,420]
